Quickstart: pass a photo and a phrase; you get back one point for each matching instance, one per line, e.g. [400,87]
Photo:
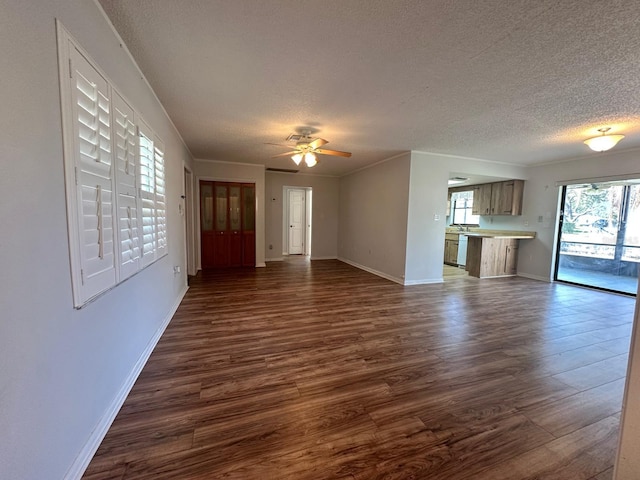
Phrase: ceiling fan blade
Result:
[287,154]
[332,152]
[318,142]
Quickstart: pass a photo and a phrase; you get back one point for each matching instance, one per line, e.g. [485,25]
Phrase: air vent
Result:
[281,170]
[457,180]
[297,137]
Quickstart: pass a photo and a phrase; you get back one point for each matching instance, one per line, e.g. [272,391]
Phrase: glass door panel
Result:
[221,208]
[598,236]
[234,208]
[206,202]
[631,245]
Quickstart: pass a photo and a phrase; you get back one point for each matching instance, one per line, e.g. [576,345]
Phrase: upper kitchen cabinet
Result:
[482,199]
[506,197]
[499,198]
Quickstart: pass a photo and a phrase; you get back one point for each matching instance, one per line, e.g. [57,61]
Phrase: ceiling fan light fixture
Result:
[308,149]
[604,142]
[297,158]
[310,159]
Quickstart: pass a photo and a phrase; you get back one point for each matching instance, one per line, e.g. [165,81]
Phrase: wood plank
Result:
[317,370]
[582,454]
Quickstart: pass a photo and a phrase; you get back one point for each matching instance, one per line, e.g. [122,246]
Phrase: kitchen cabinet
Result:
[510,252]
[506,197]
[498,198]
[451,249]
[482,199]
[492,256]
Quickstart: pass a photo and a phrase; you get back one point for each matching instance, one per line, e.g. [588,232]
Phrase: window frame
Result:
[467,208]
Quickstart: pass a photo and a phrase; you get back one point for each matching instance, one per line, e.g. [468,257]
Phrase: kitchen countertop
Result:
[499,235]
[487,233]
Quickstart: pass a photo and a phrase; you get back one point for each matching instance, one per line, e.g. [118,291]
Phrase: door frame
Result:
[560,222]
[556,249]
[188,211]
[285,219]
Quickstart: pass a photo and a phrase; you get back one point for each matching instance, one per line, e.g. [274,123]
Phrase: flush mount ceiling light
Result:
[604,142]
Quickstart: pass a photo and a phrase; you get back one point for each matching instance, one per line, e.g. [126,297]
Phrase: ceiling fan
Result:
[307,149]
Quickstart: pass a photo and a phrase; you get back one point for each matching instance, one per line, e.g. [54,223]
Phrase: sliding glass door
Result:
[600,236]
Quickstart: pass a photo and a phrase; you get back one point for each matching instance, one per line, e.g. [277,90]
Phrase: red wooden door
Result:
[221,215]
[248,225]
[227,224]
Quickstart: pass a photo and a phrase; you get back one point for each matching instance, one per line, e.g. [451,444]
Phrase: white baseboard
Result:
[261,264]
[274,259]
[423,281]
[83,459]
[534,277]
[373,271]
[324,258]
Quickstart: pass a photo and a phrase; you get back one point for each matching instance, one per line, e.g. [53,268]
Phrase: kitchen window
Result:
[462,209]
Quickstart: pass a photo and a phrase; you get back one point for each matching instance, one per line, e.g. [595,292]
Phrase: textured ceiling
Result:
[513,81]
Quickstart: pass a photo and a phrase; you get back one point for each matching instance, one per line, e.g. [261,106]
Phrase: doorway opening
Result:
[599,236]
[296,221]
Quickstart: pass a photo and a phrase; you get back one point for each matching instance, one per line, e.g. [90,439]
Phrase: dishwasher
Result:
[462,250]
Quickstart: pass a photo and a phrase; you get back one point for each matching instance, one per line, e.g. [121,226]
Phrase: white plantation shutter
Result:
[114,177]
[160,200]
[93,167]
[129,240]
[125,145]
[147,192]
[125,149]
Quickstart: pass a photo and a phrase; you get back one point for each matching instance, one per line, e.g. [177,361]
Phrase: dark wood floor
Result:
[323,371]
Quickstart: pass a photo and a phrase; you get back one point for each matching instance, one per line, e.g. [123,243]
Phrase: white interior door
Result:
[296,222]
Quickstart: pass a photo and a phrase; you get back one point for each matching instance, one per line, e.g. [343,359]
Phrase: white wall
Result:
[233,172]
[373,217]
[541,198]
[325,205]
[61,369]
[428,197]
[628,459]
